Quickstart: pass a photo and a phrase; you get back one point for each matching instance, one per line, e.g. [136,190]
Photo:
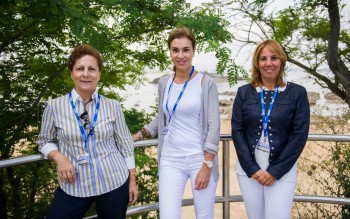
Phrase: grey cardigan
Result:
[210,119]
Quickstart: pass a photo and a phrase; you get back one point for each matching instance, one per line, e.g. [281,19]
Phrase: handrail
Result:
[226,198]
[15,161]
[238,198]
[145,143]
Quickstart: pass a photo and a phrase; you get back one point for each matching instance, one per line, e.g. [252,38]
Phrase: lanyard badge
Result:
[83,158]
[266,116]
[166,129]
[82,130]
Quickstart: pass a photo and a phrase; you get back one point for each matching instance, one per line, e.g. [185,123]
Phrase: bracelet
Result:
[132,173]
[146,133]
[143,134]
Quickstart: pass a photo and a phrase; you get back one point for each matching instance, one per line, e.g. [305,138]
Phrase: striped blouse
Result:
[110,147]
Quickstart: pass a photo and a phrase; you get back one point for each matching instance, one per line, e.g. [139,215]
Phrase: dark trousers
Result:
[111,205]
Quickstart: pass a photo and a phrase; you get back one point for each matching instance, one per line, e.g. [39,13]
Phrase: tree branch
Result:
[335,62]
[330,85]
[30,110]
[15,37]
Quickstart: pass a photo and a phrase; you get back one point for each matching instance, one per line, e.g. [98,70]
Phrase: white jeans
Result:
[173,175]
[267,202]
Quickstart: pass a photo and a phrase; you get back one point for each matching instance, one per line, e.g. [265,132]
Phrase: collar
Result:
[280,89]
[75,95]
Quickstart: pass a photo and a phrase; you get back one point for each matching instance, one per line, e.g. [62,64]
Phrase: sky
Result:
[207,61]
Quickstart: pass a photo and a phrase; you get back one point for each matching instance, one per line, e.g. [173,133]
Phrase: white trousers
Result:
[173,175]
[267,202]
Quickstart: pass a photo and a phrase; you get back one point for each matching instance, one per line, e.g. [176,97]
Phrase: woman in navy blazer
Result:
[270,125]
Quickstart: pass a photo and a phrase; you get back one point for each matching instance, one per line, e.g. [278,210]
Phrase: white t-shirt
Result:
[184,136]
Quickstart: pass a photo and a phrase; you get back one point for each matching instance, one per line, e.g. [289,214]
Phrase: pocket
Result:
[169,162]
[104,130]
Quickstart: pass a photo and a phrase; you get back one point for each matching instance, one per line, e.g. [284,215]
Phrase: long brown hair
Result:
[278,50]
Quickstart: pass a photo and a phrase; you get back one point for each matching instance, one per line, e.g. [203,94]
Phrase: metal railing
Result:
[226,198]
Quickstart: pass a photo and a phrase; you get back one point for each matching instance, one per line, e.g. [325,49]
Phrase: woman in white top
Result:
[188,127]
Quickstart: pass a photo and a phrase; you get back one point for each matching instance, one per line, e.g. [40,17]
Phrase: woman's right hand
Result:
[65,169]
[264,178]
[257,175]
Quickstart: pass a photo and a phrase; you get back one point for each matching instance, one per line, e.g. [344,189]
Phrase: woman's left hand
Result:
[203,178]
[133,191]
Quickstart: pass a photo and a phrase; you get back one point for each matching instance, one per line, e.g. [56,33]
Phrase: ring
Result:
[72,171]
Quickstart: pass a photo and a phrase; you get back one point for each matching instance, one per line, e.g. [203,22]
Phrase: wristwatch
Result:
[209,163]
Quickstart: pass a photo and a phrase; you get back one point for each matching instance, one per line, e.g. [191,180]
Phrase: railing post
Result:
[226,178]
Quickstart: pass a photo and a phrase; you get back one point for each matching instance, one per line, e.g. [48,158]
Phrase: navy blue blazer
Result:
[287,130]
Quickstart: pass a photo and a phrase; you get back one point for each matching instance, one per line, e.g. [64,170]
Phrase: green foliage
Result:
[328,167]
[146,162]
[226,63]
[36,185]
[345,39]
[37,194]
[234,71]
[304,30]
[286,23]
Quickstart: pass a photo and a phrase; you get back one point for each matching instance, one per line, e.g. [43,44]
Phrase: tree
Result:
[310,32]
[325,167]
[35,38]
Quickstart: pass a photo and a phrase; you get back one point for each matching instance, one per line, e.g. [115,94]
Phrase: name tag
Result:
[263,146]
[83,158]
[165,130]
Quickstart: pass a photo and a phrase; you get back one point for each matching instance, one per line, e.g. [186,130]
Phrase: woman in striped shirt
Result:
[85,134]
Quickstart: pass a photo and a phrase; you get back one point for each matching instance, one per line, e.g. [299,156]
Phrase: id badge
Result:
[83,158]
[263,146]
[165,130]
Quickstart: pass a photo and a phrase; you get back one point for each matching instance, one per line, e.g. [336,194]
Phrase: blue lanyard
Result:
[82,131]
[266,116]
[179,97]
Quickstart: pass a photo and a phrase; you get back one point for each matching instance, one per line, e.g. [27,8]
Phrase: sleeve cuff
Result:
[211,148]
[130,162]
[150,130]
[47,148]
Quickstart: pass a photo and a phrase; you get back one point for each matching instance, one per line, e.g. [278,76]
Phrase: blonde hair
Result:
[278,50]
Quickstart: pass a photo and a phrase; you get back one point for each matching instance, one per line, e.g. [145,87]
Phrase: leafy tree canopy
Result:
[36,37]
[314,33]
